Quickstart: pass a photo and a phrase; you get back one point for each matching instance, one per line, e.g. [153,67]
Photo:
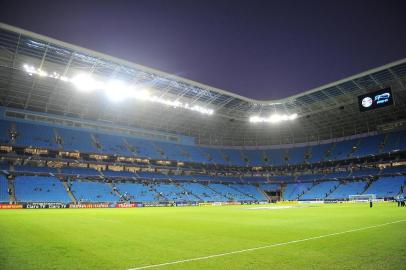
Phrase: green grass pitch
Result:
[121,239]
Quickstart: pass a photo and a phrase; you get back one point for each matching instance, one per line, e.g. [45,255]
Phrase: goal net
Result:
[362,198]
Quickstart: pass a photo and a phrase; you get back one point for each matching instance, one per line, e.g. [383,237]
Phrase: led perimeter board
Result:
[375,100]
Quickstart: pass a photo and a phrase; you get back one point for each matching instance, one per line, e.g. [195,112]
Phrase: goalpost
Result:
[362,197]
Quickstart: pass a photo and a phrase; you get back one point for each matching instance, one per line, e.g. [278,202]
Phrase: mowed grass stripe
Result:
[264,247]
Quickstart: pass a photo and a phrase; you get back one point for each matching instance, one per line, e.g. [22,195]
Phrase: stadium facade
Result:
[78,126]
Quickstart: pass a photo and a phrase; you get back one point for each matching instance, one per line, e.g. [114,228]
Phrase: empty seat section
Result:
[392,142]
[34,169]
[173,192]
[255,179]
[320,191]
[118,173]
[112,144]
[214,155]
[35,135]
[5,127]
[318,153]
[255,157]
[137,192]
[152,175]
[4,197]
[230,193]
[309,177]
[342,149]
[282,178]
[143,148]
[80,171]
[86,191]
[76,140]
[40,189]
[349,188]
[297,155]
[234,157]
[204,193]
[276,156]
[365,172]
[250,190]
[368,146]
[292,191]
[171,151]
[194,153]
[402,140]
[386,186]
[336,175]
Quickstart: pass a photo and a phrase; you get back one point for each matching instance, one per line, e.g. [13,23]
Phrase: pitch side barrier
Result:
[57,205]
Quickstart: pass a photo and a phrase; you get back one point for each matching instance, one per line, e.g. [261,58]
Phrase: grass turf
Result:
[119,239]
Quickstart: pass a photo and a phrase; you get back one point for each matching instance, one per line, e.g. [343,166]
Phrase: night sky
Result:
[259,49]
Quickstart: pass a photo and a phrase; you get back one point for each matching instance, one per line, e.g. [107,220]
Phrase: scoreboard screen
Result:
[375,100]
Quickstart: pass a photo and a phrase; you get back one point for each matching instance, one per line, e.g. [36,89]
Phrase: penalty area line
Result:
[264,247]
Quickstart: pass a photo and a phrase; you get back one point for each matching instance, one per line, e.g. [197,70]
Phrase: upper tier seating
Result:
[112,144]
[118,173]
[255,157]
[80,171]
[297,155]
[4,197]
[214,155]
[89,141]
[319,152]
[364,172]
[309,177]
[77,140]
[86,191]
[234,157]
[40,189]
[35,135]
[368,146]
[34,169]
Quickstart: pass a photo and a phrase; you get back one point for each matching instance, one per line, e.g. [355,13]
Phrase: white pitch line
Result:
[264,247]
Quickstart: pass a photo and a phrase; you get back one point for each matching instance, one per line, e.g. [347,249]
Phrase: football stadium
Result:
[110,165]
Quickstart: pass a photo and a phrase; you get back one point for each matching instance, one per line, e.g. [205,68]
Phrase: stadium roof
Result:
[324,112]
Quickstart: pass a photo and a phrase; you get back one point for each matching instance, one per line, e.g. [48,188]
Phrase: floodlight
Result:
[274,118]
[117,90]
[84,82]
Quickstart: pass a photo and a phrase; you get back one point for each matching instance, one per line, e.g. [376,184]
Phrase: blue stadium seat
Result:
[40,189]
[86,191]
[4,197]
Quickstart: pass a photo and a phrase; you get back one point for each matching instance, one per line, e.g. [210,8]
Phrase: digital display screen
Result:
[375,100]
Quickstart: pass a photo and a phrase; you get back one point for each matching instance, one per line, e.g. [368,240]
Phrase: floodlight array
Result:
[116,90]
[274,118]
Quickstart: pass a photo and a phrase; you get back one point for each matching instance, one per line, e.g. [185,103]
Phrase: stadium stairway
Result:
[115,190]
[219,193]
[333,189]
[260,190]
[189,192]
[160,195]
[70,194]
[240,191]
[307,190]
[11,188]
